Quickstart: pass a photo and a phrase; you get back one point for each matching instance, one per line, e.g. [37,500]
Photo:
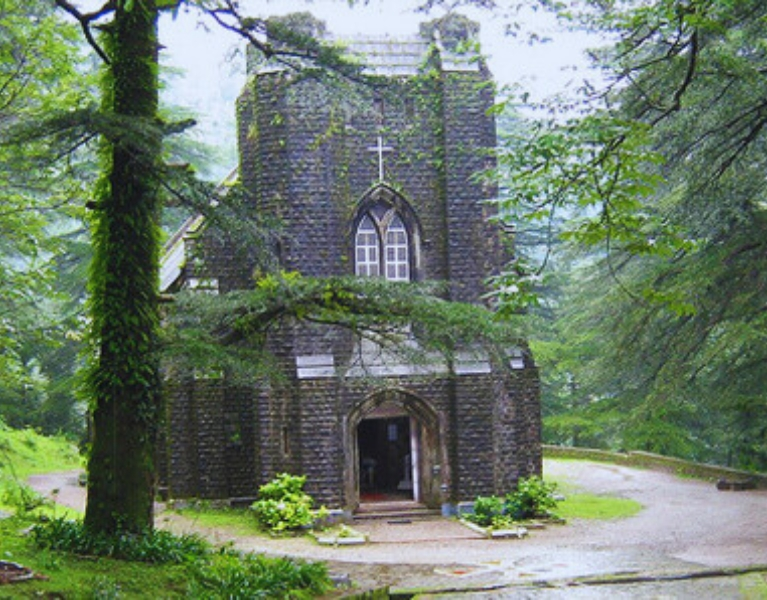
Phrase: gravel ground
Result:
[687,527]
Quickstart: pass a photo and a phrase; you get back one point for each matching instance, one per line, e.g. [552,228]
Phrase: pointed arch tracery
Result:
[428,426]
[385,237]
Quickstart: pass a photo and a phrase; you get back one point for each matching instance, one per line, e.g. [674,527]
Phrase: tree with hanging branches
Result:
[657,177]
[123,382]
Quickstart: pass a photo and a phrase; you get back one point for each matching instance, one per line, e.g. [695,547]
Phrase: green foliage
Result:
[229,330]
[180,571]
[22,498]
[283,486]
[649,201]
[237,520]
[486,510]
[283,505]
[228,575]
[24,453]
[70,576]
[42,73]
[105,589]
[159,547]
[300,35]
[343,531]
[532,498]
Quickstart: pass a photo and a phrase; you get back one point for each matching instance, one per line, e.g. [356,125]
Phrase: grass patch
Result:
[239,521]
[589,506]
[579,504]
[199,572]
[23,452]
[753,586]
[69,576]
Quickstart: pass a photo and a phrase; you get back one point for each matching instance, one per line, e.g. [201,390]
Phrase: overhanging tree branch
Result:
[85,20]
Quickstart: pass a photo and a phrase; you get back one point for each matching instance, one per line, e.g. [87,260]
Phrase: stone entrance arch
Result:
[427,452]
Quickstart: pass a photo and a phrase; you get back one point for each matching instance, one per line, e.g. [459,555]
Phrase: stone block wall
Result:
[516,428]
[224,442]
[468,134]
[313,164]
[321,440]
[210,441]
[305,161]
[474,452]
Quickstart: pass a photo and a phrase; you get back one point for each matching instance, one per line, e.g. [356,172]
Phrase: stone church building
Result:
[378,181]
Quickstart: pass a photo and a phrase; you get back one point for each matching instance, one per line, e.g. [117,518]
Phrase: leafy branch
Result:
[400,317]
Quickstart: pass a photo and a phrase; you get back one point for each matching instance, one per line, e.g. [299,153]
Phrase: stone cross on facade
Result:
[380,149]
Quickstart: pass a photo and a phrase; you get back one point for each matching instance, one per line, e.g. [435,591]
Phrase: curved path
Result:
[686,527]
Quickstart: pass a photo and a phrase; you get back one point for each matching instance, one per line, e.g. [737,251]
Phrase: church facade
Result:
[373,181]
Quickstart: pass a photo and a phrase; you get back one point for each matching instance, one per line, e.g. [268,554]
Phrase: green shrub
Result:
[154,546]
[227,575]
[283,505]
[533,498]
[207,574]
[283,486]
[486,509]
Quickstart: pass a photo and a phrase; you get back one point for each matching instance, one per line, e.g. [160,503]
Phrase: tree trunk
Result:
[124,379]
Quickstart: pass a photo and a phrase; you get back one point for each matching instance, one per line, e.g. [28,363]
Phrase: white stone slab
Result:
[315,366]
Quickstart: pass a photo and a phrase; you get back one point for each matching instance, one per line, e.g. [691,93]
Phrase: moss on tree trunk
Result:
[124,378]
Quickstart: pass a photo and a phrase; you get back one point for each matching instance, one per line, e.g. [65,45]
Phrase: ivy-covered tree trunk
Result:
[124,379]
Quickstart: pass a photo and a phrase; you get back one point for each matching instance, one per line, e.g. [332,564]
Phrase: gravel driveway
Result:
[686,527]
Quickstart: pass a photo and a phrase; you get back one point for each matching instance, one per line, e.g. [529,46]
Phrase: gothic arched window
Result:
[367,249]
[382,247]
[396,248]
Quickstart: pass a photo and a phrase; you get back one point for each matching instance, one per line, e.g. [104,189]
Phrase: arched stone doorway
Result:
[394,450]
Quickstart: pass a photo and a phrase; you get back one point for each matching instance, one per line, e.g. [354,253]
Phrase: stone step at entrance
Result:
[397,510]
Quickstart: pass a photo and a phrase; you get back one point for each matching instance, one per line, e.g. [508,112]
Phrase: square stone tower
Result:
[374,178]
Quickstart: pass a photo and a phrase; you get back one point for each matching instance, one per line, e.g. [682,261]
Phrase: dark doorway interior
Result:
[385,459]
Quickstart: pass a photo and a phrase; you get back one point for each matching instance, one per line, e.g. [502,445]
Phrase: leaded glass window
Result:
[367,249]
[382,247]
[397,252]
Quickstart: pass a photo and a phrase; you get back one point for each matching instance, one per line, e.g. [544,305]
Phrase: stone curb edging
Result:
[509,532]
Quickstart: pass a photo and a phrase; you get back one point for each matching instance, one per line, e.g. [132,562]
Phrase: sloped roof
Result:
[389,56]
[173,256]
[405,55]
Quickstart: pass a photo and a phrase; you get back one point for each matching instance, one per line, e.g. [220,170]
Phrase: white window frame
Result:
[367,249]
[388,253]
[397,251]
